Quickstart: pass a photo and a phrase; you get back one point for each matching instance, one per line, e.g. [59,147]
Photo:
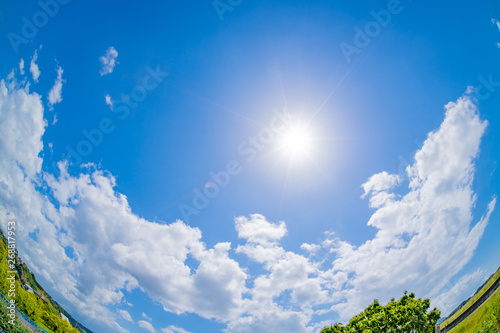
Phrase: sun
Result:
[296,141]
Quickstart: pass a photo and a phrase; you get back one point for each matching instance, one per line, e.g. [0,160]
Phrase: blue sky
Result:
[241,166]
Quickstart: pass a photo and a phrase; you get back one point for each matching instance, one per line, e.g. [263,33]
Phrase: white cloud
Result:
[423,239]
[125,315]
[128,252]
[173,329]
[108,61]
[463,288]
[311,248]
[145,316]
[22,125]
[288,275]
[380,182]
[496,22]
[35,71]
[427,236]
[55,93]
[146,325]
[270,318]
[21,66]
[378,185]
[262,238]
[258,230]
[109,101]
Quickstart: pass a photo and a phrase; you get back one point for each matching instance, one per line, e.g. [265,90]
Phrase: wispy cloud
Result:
[21,66]
[125,315]
[55,93]
[173,329]
[34,69]
[108,61]
[461,290]
[497,23]
[109,101]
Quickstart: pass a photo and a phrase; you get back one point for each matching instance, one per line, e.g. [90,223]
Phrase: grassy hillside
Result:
[485,319]
[467,304]
[38,306]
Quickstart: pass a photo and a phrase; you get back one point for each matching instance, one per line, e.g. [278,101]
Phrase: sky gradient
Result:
[246,166]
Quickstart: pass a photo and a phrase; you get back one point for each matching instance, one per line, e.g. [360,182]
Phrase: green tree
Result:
[407,315]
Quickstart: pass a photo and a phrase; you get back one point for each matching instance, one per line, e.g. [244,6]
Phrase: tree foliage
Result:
[407,315]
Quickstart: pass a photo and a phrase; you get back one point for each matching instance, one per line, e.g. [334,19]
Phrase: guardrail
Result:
[30,324]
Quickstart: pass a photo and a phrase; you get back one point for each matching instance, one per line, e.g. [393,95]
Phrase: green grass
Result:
[486,319]
[473,299]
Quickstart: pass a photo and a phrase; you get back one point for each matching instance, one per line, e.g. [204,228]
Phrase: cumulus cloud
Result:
[116,258]
[287,275]
[108,61]
[378,185]
[271,318]
[257,230]
[128,242]
[55,93]
[428,235]
[34,69]
[424,237]
[22,126]
[146,325]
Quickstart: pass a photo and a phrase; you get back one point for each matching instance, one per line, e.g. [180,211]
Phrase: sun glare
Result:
[296,141]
